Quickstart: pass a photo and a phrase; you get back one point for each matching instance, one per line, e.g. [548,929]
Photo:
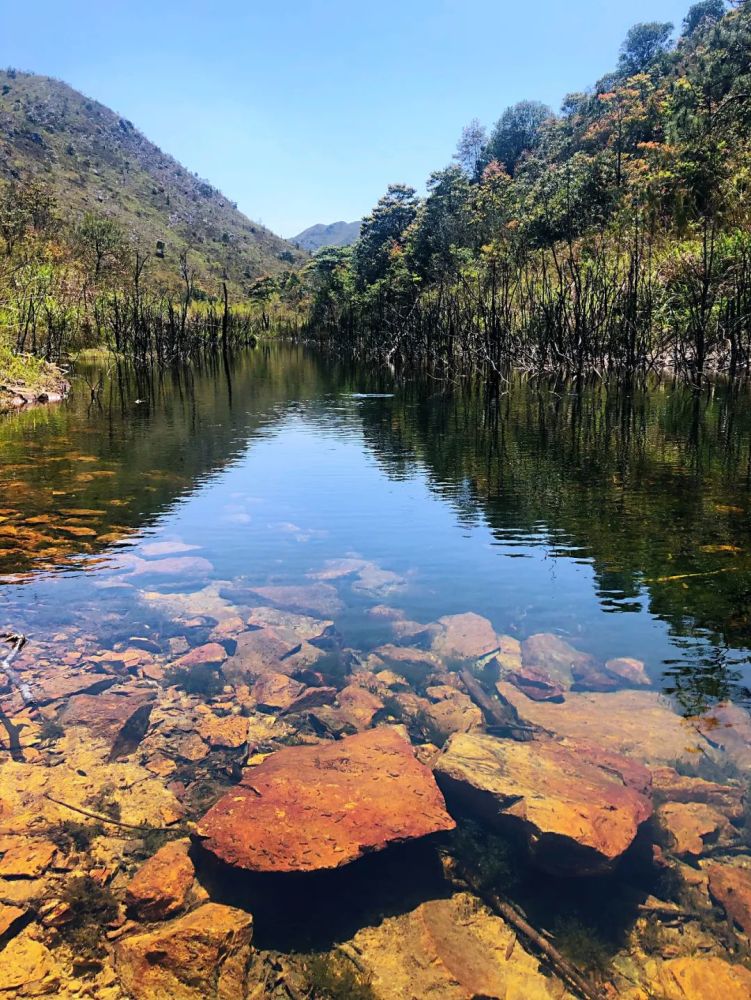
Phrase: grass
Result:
[26,374]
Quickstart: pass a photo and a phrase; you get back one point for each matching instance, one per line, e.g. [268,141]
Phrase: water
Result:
[163,513]
[618,522]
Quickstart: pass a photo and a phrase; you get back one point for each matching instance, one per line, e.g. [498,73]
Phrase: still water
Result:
[619,522]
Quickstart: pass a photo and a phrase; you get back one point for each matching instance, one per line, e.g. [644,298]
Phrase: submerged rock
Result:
[161,887]
[27,969]
[318,807]
[639,724]
[9,917]
[450,949]
[577,814]
[700,977]
[315,598]
[671,786]
[464,637]
[731,888]
[693,826]
[120,718]
[201,956]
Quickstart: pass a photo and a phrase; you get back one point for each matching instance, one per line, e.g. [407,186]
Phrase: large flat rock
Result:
[577,807]
[311,808]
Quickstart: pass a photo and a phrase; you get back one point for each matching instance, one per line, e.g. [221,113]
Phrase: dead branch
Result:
[499,713]
[116,822]
[17,642]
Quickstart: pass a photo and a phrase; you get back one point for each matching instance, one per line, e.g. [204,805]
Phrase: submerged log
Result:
[500,715]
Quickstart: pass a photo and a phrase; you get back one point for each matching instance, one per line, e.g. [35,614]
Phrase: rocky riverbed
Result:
[239,804]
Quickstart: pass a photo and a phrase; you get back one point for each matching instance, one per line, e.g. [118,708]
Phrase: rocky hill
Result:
[94,160]
[336,234]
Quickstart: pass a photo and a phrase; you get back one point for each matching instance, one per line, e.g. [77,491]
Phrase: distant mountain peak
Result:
[335,234]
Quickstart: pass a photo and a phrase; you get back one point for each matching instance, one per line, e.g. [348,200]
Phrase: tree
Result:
[643,45]
[516,132]
[705,12]
[382,230]
[470,148]
[100,242]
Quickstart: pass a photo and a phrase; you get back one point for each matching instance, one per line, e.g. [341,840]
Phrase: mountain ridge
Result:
[95,160]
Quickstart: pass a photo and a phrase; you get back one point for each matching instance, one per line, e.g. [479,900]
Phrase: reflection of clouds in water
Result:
[298,533]
[237,517]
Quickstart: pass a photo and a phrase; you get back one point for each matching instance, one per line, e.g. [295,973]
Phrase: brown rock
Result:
[728,726]
[27,969]
[692,826]
[409,660]
[9,916]
[358,706]
[731,888]
[451,712]
[274,692]
[63,685]
[451,949]
[27,858]
[311,808]
[555,659]
[110,716]
[534,684]
[161,887]
[639,724]
[209,655]
[629,671]
[464,637]
[578,815]
[673,787]
[201,956]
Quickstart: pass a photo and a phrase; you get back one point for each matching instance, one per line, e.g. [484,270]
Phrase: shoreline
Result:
[27,382]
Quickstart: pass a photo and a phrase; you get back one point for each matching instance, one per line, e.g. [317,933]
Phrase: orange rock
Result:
[628,670]
[276,691]
[692,826]
[28,969]
[161,887]
[729,727]
[311,808]
[358,707]
[259,652]
[731,888]
[209,655]
[577,814]
[201,956]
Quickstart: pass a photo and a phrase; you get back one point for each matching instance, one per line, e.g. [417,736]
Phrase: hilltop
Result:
[336,234]
[93,160]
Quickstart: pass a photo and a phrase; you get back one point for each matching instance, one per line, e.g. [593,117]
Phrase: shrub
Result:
[199,679]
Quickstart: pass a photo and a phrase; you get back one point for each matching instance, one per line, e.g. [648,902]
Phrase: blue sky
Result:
[304,111]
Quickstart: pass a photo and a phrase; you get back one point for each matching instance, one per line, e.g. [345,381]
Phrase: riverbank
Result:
[29,381]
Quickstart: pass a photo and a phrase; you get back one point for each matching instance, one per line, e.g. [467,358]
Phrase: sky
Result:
[304,111]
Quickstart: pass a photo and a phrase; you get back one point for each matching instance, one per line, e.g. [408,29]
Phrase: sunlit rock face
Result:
[203,954]
[161,887]
[320,807]
[577,807]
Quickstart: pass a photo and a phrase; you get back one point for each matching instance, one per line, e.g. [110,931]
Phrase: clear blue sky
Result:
[303,111]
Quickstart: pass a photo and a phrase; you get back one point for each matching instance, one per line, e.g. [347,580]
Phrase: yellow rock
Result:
[702,977]
[451,949]
[28,969]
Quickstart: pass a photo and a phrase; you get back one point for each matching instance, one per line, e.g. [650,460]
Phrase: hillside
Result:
[336,234]
[94,160]
[614,236]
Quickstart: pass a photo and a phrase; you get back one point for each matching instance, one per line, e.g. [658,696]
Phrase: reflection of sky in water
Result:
[299,468]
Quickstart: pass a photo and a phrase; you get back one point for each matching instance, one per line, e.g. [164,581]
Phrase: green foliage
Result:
[493,862]
[614,236]
[643,45]
[198,679]
[516,132]
[334,977]
[105,803]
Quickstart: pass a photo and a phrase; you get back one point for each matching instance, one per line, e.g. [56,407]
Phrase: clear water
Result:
[619,521]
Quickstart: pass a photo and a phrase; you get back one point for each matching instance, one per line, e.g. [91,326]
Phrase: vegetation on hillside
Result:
[613,236]
[105,240]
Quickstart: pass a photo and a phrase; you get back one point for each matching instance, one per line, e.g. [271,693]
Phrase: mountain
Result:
[336,234]
[94,160]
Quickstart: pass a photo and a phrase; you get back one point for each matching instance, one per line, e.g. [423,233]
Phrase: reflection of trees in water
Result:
[650,486]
